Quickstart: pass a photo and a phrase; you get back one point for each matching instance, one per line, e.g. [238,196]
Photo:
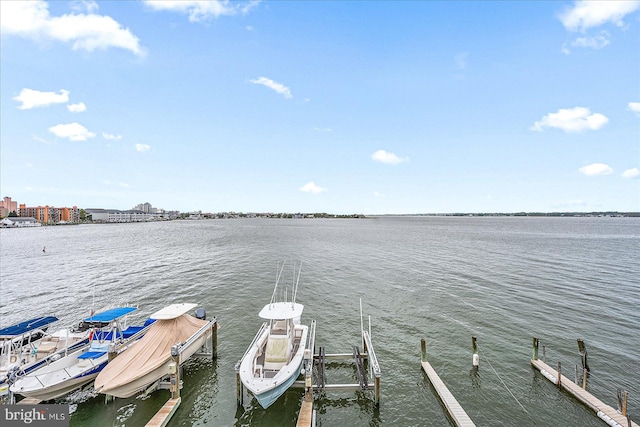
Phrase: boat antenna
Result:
[295,289]
[273,296]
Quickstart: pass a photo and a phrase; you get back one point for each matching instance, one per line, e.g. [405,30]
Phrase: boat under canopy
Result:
[148,361]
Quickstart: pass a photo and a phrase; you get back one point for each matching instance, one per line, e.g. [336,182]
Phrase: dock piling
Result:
[475,359]
[583,354]
[536,343]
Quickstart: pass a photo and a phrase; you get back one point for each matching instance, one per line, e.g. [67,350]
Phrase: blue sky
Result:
[331,106]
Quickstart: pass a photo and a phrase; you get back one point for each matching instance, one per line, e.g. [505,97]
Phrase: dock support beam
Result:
[214,339]
[536,343]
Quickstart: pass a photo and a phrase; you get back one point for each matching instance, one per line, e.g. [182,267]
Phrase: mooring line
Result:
[503,383]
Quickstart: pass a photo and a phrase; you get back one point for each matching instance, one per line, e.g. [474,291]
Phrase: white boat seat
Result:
[277,353]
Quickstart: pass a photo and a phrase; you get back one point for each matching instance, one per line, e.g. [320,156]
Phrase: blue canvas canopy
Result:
[110,315]
[26,326]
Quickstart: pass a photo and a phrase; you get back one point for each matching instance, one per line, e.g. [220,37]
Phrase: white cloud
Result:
[383,156]
[631,173]
[574,119]
[311,187]
[278,87]
[199,10]
[34,98]
[142,148]
[72,131]
[111,137]
[597,42]
[635,107]
[595,169]
[323,129]
[31,19]
[77,108]
[586,14]
[377,194]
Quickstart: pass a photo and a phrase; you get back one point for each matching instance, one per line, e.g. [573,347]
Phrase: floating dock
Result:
[162,417]
[456,412]
[605,412]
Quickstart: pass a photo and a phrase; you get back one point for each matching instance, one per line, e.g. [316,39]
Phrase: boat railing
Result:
[255,340]
[196,335]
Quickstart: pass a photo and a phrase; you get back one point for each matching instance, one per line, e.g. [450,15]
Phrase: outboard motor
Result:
[201,314]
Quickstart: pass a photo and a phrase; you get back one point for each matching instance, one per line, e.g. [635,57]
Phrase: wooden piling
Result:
[475,360]
[214,339]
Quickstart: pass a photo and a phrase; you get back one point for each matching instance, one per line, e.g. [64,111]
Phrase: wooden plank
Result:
[29,401]
[162,417]
[305,415]
[459,416]
[583,396]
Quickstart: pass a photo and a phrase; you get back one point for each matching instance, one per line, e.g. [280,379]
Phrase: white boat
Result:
[81,366]
[28,346]
[274,359]
[147,362]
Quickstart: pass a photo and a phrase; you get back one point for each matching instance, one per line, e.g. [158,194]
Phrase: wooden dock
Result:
[456,412]
[604,411]
[162,417]
[306,414]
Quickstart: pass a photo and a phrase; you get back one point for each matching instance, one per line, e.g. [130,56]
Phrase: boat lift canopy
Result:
[110,315]
[26,326]
[281,310]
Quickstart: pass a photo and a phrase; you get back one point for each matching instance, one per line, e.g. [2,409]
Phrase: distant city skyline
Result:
[341,107]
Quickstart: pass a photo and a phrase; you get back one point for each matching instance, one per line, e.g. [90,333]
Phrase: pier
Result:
[605,412]
[456,412]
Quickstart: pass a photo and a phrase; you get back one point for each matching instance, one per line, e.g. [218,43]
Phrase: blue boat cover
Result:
[110,315]
[26,326]
[92,354]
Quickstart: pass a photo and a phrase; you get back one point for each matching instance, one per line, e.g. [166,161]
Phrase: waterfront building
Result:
[50,214]
[115,215]
[7,206]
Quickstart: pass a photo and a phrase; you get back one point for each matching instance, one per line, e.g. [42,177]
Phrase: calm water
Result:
[503,280]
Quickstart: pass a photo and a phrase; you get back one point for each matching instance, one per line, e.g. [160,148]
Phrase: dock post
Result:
[475,358]
[622,402]
[583,354]
[423,346]
[536,343]
[544,353]
[584,378]
[174,373]
[559,376]
[239,386]
[214,339]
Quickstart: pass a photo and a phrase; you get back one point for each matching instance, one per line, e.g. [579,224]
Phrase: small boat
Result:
[139,367]
[28,346]
[273,361]
[81,366]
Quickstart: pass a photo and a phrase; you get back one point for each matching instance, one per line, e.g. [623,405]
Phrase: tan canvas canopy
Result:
[149,353]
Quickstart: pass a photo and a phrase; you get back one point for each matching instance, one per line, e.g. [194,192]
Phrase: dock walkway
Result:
[457,413]
[162,417]
[604,411]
